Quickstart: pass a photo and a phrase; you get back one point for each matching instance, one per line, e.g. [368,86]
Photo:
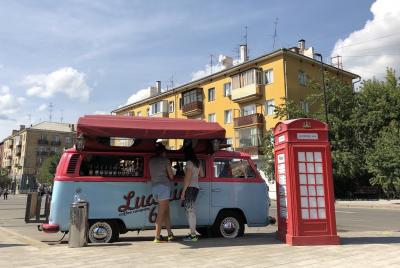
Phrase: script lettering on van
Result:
[134,204]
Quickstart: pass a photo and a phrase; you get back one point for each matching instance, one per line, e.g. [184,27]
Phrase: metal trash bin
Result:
[78,226]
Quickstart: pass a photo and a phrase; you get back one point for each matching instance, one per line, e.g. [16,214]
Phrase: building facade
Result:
[241,98]
[26,149]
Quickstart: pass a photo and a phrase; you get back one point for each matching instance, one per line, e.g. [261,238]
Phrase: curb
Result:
[23,238]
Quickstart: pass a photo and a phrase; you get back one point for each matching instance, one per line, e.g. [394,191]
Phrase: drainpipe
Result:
[285,81]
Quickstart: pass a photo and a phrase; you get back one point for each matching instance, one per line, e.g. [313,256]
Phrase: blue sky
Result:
[86,57]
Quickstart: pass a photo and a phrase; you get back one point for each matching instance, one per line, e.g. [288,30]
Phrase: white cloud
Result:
[215,68]
[139,95]
[369,51]
[42,107]
[101,112]
[66,80]
[9,104]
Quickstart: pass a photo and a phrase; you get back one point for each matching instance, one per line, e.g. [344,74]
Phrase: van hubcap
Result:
[100,232]
[229,227]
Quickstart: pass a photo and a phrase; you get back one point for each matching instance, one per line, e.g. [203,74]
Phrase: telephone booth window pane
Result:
[318,168]
[304,214]
[282,190]
[283,201]
[301,156]
[317,157]
[304,202]
[310,157]
[302,168]
[321,213]
[320,190]
[321,202]
[318,178]
[282,179]
[303,191]
[313,202]
[313,214]
[283,212]
[311,179]
[303,179]
[310,168]
[311,190]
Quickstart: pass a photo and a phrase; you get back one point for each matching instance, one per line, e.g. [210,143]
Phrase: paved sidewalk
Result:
[381,203]
[256,249]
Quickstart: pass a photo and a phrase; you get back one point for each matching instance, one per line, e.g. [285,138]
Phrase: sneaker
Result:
[159,239]
[190,238]
[171,237]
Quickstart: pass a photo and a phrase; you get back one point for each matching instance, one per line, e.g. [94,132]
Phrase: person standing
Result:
[161,176]
[5,194]
[193,171]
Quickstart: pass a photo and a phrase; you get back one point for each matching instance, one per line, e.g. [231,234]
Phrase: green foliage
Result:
[355,120]
[267,148]
[47,171]
[383,159]
[5,181]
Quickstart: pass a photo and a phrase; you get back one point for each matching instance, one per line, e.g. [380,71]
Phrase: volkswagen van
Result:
[115,180]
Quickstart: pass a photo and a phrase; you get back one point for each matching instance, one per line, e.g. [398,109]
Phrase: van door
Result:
[235,185]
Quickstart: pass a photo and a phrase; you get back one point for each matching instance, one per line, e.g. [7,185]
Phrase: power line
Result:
[366,41]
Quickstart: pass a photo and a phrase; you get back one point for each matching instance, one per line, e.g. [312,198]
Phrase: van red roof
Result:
[147,127]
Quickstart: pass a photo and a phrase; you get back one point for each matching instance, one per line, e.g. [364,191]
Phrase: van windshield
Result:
[112,165]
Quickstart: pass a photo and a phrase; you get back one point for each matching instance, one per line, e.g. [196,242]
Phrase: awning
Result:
[147,127]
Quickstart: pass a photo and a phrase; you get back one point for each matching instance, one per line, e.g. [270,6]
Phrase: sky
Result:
[70,58]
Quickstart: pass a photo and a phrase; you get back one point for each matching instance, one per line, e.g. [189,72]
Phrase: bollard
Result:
[78,226]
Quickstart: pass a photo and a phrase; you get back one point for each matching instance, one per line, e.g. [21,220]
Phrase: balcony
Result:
[55,143]
[248,120]
[247,93]
[160,114]
[43,141]
[10,146]
[7,163]
[193,108]
[42,153]
[251,150]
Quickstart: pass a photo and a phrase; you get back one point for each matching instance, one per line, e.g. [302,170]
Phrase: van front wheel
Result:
[102,232]
[229,225]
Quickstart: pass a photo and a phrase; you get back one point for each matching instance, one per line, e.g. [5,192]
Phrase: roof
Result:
[230,71]
[54,126]
[147,127]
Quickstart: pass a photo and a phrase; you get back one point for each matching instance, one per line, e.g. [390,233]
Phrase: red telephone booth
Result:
[305,196]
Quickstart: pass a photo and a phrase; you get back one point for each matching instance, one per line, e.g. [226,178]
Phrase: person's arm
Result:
[170,173]
[187,179]
[201,171]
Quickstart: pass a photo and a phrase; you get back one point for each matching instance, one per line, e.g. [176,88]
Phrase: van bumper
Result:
[49,228]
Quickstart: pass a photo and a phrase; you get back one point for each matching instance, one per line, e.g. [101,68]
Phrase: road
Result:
[348,220]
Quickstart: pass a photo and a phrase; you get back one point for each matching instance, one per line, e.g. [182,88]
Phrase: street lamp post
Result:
[323,86]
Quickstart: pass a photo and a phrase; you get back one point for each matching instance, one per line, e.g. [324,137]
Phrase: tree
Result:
[383,159]
[267,148]
[47,171]
[5,181]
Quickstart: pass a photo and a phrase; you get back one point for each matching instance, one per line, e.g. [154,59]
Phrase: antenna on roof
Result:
[275,34]
[172,81]
[62,113]
[50,111]
[211,63]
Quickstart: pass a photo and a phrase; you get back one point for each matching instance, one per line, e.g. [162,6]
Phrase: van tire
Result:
[229,224]
[101,231]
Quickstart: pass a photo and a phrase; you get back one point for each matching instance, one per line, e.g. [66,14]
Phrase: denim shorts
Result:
[161,192]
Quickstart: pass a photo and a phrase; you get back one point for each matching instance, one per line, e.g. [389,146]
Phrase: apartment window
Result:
[270,107]
[212,118]
[192,96]
[268,76]
[227,89]
[211,94]
[131,113]
[248,137]
[139,113]
[305,106]
[249,77]
[56,138]
[229,141]
[155,108]
[148,111]
[228,116]
[180,103]
[302,78]
[171,107]
[68,140]
[248,109]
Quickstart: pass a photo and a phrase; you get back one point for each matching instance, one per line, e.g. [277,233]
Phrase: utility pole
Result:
[275,34]
[50,111]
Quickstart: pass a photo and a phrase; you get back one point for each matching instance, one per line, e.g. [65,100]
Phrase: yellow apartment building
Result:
[241,98]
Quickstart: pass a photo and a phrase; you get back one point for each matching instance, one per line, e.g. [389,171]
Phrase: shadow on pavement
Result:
[11,245]
[370,240]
